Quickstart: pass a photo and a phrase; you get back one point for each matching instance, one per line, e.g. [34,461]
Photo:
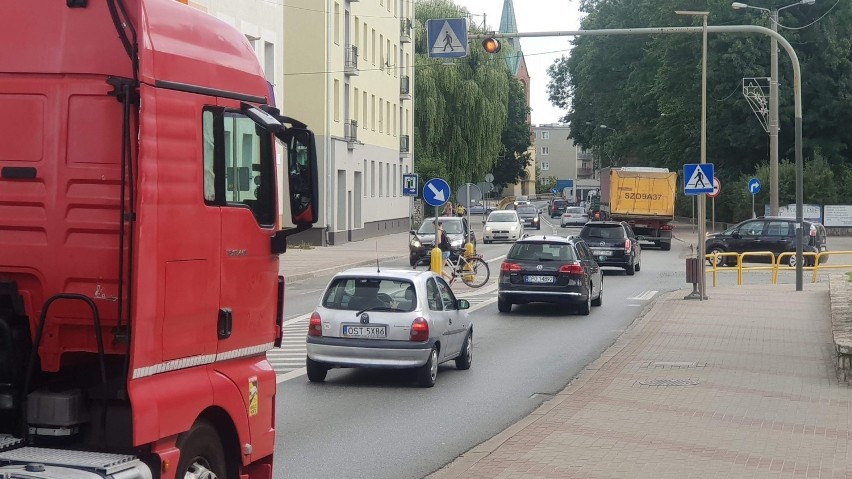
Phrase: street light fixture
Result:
[773,97]
[608,128]
[702,206]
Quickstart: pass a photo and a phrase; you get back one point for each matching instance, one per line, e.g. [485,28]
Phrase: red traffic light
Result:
[491,45]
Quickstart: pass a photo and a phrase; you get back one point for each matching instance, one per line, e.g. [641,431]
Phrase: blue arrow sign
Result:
[754,186]
[436,192]
[409,184]
[698,178]
[447,37]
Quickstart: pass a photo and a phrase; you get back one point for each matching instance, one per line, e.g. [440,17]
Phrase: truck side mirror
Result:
[302,175]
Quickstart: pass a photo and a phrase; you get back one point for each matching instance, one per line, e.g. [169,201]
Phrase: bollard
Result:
[437,262]
[693,274]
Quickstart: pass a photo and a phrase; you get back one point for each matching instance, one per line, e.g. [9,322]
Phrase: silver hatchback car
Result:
[389,319]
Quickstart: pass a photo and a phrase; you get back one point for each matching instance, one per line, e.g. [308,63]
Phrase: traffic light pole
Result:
[797,91]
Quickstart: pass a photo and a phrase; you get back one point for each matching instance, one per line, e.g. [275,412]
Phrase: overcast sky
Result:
[540,53]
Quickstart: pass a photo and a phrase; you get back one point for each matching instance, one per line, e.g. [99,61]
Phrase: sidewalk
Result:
[742,385]
[302,264]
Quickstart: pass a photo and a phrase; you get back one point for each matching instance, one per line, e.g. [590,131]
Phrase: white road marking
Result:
[644,296]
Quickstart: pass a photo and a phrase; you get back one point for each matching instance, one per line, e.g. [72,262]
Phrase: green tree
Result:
[647,88]
[511,164]
[461,109]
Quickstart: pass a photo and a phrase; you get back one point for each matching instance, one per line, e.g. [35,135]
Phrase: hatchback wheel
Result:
[428,373]
[806,261]
[465,357]
[599,300]
[586,307]
[316,370]
[504,306]
[720,260]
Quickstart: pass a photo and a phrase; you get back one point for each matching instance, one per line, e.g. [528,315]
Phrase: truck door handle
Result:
[225,323]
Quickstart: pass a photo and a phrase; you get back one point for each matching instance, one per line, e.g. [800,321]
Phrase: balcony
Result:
[350,132]
[404,87]
[351,61]
[405,30]
[403,146]
[584,155]
[584,172]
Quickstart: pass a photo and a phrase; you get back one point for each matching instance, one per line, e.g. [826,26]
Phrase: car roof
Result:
[383,273]
[784,218]
[548,239]
[604,223]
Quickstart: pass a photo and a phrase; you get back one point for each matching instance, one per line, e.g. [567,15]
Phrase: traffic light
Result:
[491,45]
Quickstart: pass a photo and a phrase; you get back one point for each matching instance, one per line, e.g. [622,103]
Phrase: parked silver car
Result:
[389,319]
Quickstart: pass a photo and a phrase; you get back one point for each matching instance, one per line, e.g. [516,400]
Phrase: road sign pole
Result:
[714,215]
[753,214]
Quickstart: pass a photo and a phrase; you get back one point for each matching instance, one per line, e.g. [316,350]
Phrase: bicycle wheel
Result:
[477,273]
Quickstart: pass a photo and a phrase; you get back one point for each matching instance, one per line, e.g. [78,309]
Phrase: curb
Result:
[330,271]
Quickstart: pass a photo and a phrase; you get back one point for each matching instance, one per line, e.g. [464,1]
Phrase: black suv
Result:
[613,243]
[423,240]
[774,234]
[550,269]
[557,207]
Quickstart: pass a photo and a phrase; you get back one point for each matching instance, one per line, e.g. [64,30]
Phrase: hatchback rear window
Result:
[603,231]
[575,210]
[528,210]
[541,252]
[363,293]
[560,203]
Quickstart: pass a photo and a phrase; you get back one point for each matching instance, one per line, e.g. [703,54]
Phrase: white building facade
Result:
[348,74]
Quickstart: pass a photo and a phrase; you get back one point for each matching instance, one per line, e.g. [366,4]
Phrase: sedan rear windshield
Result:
[603,231]
[541,252]
[559,203]
[575,210]
[358,294]
[528,210]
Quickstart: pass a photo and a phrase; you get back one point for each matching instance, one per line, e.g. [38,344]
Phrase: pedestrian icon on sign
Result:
[699,178]
[448,42]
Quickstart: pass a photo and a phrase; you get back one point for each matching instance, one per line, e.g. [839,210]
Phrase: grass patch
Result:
[302,245]
[849,277]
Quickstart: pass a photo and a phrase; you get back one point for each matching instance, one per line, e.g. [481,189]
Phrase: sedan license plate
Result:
[538,279]
[370,332]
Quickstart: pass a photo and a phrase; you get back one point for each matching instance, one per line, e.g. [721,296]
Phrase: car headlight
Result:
[515,227]
[416,243]
[488,229]
[535,220]
[456,243]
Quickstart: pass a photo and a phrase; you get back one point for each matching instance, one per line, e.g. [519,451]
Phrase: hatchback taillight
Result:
[419,330]
[627,245]
[571,268]
[509,267]
[315,326]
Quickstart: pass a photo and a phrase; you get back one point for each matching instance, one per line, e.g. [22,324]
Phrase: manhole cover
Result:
[668,382]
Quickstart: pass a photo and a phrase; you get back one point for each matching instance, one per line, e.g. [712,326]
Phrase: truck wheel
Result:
[666,245]
[201,454]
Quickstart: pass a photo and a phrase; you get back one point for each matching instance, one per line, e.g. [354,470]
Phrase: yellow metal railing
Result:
[812,262]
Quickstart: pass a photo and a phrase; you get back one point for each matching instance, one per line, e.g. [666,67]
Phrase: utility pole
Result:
[773,117]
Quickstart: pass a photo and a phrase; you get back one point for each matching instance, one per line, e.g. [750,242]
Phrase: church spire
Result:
[508,24]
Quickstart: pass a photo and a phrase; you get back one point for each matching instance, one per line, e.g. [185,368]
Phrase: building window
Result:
[269,62]
[545,135]
[355,105]
[364,47]
[381,115]
[394,119]
[387,115]
[381,183]
[372,178]
[365,178]
[382,52]
[253,41]
[364,114]
[357,31]
[336,100]
[389,56]
[373,112]
[373,49]
[337,24]
[545,151]
[395,178]
[545,165]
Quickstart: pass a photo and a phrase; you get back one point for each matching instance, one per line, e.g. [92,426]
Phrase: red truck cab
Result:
[141,215]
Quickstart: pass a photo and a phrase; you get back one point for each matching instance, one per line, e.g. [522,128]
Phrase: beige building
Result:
[348,75]
[559,158]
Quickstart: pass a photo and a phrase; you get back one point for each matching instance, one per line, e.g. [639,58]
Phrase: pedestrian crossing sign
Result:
[447,37]
[698,178]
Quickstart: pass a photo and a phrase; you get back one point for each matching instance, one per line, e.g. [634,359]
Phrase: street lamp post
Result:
[702,203]
[773,98]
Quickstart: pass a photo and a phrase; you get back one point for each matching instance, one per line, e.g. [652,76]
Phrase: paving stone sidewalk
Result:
[742,385]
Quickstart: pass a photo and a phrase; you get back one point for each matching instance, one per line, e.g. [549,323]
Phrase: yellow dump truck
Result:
[644,198]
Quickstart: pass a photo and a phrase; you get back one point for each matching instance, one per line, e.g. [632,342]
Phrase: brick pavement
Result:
[742,385]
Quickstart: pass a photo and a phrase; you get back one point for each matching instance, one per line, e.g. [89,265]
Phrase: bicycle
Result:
[473,271]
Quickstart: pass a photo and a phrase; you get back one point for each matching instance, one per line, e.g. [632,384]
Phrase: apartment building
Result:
[348,74]
[559,158]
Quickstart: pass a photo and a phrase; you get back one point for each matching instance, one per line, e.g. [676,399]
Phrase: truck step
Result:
[8,442]
[102,463]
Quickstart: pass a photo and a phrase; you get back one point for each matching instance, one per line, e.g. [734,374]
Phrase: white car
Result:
[522,200]
[574,216]
[389,319]
[502,225]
